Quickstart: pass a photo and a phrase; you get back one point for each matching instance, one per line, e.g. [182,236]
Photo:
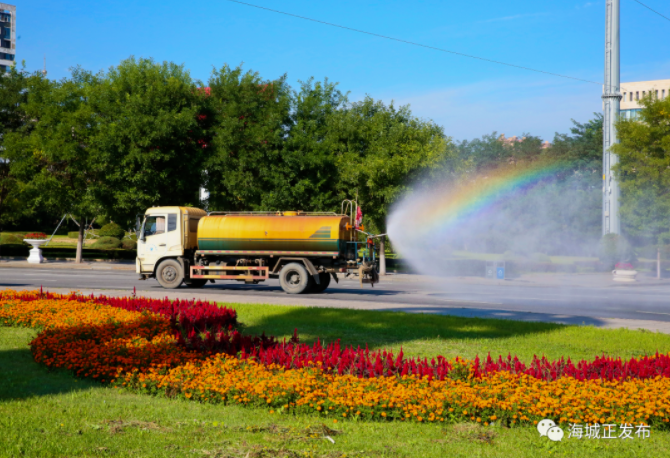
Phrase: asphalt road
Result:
[454,296]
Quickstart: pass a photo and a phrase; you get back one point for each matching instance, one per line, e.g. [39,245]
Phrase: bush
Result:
[513,256]
[107,243]
[112,230]
[10,239]
[75,235]
[129,244]
[615,248]
[540,258]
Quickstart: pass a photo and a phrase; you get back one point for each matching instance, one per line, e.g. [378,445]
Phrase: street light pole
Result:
[611,105]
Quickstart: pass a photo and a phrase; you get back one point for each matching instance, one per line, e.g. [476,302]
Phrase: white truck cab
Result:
[167,235]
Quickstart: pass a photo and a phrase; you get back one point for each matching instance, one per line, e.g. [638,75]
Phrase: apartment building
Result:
[634,91]
[7,35]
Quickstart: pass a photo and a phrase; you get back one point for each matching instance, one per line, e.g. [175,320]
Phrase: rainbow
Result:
[443,208]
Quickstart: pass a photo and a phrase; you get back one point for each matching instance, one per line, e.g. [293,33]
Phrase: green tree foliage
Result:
[307,176]
[150,133]
[277,149]
[13,97]
[141,134]
[583,149]
[57,160]
[381,151]
[644,172]
[249,116]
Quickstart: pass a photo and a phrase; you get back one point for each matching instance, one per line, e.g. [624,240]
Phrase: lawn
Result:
[52,414]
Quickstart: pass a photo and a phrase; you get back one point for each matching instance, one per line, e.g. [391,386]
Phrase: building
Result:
[511,140]
[7,35]
[635,91]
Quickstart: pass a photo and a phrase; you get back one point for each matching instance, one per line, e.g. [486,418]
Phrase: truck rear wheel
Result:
[324,281]
[294,278]
[170,274]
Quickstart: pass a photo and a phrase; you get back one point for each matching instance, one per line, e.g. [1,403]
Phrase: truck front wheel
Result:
[170,274]
[294,278]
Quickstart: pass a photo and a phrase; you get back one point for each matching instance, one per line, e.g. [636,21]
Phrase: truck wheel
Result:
[195,282]
[170,274]
[324,281]
[294,278]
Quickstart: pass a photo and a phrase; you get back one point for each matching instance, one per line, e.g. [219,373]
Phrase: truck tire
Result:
[294,278]
[195,282]
[324,281]
[170,274]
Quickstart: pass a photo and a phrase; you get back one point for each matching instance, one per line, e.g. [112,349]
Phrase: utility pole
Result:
[611,105]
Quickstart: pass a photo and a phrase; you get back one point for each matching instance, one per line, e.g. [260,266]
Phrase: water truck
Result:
[304,250]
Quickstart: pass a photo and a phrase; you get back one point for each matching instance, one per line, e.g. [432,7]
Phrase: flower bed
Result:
[35,236]
[138,343]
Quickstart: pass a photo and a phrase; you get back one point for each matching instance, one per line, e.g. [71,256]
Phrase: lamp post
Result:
[611,105]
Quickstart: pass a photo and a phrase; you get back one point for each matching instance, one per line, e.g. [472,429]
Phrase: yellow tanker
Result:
[274,233]
[303,250]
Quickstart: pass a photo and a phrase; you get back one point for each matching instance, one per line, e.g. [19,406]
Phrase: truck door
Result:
[154,245]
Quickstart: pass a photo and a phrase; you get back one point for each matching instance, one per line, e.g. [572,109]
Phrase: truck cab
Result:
[167,233]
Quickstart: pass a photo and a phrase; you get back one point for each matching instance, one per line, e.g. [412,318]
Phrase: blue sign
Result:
[500,273]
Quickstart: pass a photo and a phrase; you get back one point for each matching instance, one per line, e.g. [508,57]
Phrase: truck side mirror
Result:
[138,228]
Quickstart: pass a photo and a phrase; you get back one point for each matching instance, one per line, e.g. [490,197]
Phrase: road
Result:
[601,305]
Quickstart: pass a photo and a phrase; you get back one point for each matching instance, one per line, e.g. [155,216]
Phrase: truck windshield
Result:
[154,225]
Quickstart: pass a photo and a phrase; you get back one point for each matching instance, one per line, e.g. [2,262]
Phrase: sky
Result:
[468,97]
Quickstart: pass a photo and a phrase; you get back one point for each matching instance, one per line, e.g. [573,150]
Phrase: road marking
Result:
[469,302]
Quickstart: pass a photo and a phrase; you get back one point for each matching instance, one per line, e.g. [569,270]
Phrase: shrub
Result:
[112,230]
[513,256]
[129,244]
[106,243]
[540,258]
[615,248]
[10,239]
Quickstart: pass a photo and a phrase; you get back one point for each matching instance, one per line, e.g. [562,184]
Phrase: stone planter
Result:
[624,275]
[35,254]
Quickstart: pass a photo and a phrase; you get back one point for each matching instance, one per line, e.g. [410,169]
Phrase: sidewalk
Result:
[69,264]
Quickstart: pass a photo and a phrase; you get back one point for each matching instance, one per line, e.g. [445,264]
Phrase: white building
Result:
[636,90]
[7,35]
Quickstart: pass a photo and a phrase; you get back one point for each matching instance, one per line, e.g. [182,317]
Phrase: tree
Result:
[13,96]
[306,175]
[583,149]
[644,172]
[113,143]
[381,151]
[250,118]
[150,131]
[57,161]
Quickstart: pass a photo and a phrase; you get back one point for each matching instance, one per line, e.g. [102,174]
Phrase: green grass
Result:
[431,335]
[52,414]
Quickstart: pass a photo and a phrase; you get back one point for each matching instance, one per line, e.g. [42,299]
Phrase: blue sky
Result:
[468,97]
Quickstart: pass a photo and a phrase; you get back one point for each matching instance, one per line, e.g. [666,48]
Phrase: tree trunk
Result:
[80,241]
[658,262]
[382,257]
